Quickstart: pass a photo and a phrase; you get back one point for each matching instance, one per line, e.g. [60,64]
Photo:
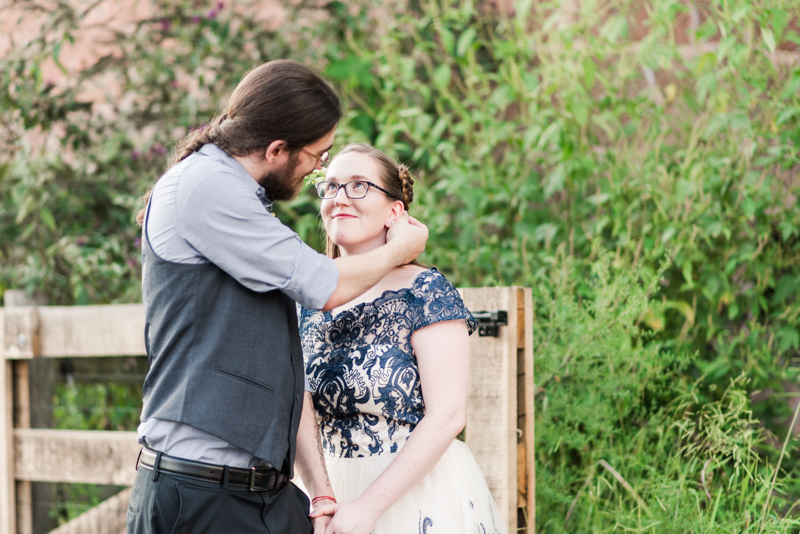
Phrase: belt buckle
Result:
[252,479]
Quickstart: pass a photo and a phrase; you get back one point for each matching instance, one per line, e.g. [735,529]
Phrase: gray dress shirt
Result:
[206,209]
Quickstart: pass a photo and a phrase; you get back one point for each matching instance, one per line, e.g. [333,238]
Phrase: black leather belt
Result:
[255,479]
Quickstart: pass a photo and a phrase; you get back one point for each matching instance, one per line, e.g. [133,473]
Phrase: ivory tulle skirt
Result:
[452,499]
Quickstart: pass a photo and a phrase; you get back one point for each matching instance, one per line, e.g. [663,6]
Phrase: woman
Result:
[388,375]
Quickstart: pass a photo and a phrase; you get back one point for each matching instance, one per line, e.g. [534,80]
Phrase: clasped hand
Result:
[344,518]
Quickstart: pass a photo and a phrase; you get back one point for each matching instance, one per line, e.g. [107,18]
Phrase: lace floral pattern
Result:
[362,371]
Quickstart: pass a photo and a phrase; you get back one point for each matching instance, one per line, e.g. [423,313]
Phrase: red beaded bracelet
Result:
[321,498]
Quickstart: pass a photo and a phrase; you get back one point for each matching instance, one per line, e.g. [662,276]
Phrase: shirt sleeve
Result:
[223,219]
[436,299]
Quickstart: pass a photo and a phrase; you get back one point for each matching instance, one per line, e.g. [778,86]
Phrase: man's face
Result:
[285,183]
[280,184]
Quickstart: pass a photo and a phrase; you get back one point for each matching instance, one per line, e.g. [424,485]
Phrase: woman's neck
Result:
[364,247]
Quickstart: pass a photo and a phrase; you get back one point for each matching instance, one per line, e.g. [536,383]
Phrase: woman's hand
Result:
[348,517]
[320,523]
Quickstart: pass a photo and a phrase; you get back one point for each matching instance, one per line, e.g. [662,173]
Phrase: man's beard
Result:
[280,184]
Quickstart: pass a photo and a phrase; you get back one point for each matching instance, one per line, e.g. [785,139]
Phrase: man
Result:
[224,395]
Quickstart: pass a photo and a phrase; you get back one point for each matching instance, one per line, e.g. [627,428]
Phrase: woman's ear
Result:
[395,213]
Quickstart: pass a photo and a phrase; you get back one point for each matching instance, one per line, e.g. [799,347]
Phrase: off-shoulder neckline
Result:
[384,296]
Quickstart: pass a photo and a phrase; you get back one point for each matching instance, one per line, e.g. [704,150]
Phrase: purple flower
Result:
[220,5]
[174,84]
[211,14]
[132,262]
[135,154]
[137,242]
[158,149]
[166,25]
[196,20]
[81,241]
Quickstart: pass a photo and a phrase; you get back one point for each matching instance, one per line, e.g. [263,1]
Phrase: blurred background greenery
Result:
[635,163]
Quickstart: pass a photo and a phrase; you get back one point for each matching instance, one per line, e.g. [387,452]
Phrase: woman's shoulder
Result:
[429,278]
[408,275]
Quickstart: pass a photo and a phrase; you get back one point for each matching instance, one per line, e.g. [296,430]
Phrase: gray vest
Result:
[223,359]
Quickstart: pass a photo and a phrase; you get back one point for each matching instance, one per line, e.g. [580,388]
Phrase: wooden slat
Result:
[108,517]
[77,456]
[491,431]
[8,512]
[22,420]
[74,331]
[529,432]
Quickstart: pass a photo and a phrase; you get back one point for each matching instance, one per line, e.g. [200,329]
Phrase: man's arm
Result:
[310,461]
[405,241]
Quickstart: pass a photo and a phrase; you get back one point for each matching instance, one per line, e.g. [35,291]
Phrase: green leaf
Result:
[686,270]
[47,218]
[615,28]
[788,338]
[788,230]
[441,77]
[465,41]
[749,207]
[580,111]
[792,87]
[769,39]
[667,234]
[555,181]
[448,41]
[706,84]
[778,22]
[56,54]
[589,71]
[787,286]
[786,114]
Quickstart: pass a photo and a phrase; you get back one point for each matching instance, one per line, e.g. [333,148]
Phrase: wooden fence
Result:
[499,409]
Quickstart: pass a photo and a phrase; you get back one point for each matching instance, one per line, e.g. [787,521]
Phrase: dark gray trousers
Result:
[180,504]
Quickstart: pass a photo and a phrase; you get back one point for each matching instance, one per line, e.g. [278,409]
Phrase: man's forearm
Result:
[359,273]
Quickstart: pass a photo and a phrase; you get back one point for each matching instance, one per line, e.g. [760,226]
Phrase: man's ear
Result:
[276,152]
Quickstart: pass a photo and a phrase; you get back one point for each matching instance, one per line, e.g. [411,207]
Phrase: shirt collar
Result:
[262,196]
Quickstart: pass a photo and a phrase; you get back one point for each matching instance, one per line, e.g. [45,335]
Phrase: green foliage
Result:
[97,406]
[626,439]
[570,148]
[75,499]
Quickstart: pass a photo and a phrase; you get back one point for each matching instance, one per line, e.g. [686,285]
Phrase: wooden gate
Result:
[499,409]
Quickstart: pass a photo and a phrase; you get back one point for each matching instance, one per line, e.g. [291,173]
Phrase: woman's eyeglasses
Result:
[354,190]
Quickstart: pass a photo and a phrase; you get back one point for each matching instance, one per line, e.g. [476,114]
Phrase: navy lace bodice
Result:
[362,371]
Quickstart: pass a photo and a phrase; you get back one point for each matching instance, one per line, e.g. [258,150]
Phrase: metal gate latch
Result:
[490,321]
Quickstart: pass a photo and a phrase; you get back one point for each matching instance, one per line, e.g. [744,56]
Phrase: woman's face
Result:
[358,225]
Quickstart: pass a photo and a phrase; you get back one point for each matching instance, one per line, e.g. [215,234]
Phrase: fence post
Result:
[499,427]
[32,390]
[8,512]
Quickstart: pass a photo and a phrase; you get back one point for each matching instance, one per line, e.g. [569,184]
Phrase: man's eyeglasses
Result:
[322,159]
[354,190]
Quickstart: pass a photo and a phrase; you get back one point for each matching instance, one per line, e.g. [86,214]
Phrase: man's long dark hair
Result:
[280,100]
